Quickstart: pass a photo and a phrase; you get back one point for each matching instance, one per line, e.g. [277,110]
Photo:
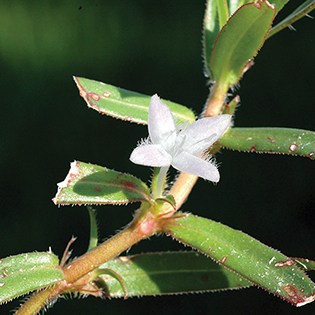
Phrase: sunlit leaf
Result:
[223,12]
[93,184]
[123,104]
[212,25]
[239,40]
[270,140]
[235,4]
[245,255]
[212,22]
[23,273]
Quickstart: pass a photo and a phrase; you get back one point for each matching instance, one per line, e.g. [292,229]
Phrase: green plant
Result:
[227,56]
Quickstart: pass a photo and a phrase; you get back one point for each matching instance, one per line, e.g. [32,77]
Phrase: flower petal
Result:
[151,155]
[162,128]
[188,163]
[202,133]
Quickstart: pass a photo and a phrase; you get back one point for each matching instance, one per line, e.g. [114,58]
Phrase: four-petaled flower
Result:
[181,146]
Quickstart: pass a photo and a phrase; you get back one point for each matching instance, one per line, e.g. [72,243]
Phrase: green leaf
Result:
[166,273]
[279,4]
[297,14]
[270,140]
[230,108]
[23,273]
[169,199]
[93,184]
[235,4]
[100,272]
[93,229]
[212,27]
[304,264]
[123,104]
[210,33]
[223,12]
[245,255]
[239,41]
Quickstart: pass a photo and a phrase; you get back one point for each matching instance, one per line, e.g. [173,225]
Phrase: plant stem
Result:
[102,253]
[34,304]
[158,192]
[144,225]
[181,189]
[185,182]
[216,100]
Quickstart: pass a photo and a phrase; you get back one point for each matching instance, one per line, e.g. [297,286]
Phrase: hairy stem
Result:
[34,304]
[144,225]
[215,101]
[104,252]
[180,190]
[185,182]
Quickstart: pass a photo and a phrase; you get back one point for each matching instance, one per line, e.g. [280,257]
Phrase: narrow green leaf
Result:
[270,140]
[169,199]
[166,273]
[210,32]
[223,12]
[304,264]
[109,272]
[245,255]
[93,229]
[230,108]
[23,273]
[239,40]
[297,14]
[123,104]
[93,184]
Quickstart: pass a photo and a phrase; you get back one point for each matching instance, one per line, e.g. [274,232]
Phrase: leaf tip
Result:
[73,173]
[307,300]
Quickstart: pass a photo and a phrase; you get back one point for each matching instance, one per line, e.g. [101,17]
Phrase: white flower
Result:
[180,146]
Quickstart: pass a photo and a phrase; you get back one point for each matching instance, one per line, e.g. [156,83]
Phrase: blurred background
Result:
[149,47]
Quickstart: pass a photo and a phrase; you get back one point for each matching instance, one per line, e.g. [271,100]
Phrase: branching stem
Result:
[145,224]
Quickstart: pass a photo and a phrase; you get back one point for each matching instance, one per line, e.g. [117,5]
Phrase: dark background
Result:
[149,47]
